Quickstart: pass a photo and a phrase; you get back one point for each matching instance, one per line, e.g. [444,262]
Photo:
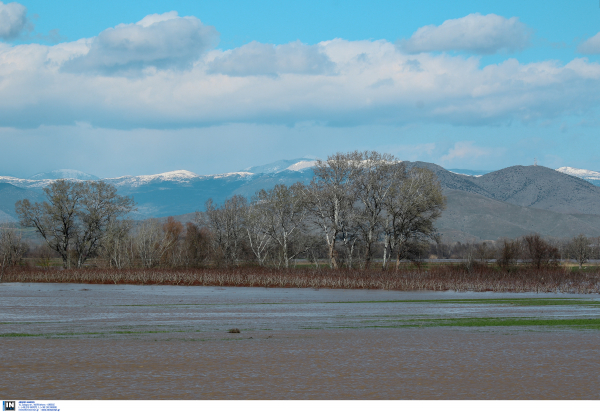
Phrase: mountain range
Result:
[480,205]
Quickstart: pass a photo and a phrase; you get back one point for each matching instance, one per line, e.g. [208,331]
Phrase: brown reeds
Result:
[438,278]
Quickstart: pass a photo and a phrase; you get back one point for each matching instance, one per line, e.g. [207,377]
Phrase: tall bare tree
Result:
[413,203]
[331,201]
[379,175]
[116,246]
[149,239]
[256,224]
[286,211]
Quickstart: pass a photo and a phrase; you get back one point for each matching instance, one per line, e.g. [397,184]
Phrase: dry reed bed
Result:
[436,279]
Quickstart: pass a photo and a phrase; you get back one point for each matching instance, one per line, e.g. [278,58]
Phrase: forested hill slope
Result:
[542,188]
[472,217]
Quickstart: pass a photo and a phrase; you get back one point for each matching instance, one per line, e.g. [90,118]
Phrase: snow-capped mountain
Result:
[588,175]
[176,177]
[63,174]
[182,191]
[281,165]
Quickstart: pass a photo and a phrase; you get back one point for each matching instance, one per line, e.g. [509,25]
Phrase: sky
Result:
[141,87]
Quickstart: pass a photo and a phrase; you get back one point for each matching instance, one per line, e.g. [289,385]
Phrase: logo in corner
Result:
[8,405]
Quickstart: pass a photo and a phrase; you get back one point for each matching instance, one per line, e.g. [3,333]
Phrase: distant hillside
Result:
[542,188]
[9,195]
[470,217]
[532,186]
[505,203]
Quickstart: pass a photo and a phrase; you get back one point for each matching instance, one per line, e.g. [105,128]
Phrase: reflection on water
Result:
[145,342]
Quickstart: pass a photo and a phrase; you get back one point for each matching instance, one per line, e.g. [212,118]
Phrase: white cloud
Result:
[256,58]
[590,46]
[473,33]
[412,152]
[161,41]
[465,150]
[13,20]
[367,82]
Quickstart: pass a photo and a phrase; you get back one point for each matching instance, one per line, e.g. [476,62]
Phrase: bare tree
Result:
[579,249]
[151,243]
[538,251]
[286,211]
[173,253]
[75,218]
[413,203]
[330,199]
[226,224]
[116,245]
[196,245]
[12,248]
[379,175]
[509,253]
[256,224]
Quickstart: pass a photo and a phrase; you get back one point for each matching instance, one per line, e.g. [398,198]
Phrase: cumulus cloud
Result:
[374,83]
[474,33]
[162,41]
[590,46]
[13,20]
[465,150]
[259,59]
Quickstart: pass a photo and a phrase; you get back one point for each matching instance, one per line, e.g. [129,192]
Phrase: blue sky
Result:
[114,88]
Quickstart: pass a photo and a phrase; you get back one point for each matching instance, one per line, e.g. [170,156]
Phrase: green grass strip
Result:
[513,302]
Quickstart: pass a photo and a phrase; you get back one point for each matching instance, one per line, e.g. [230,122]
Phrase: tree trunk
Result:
[332,260]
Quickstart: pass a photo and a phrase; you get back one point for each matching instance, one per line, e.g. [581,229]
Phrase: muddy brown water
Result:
[65,341]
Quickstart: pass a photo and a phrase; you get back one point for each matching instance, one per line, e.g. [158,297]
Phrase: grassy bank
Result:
[440,278]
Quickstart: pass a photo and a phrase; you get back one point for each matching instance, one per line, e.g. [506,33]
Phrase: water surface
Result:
[71,341]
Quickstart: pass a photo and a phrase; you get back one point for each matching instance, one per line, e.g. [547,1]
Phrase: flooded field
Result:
[71,341]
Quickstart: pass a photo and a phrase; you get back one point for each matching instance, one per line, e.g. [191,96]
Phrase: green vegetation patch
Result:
[502,322]
[513,302]
[586,323]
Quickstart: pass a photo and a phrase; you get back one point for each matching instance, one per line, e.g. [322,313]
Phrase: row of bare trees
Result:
[531,249]
[360,206]
[357,206]
[355,202]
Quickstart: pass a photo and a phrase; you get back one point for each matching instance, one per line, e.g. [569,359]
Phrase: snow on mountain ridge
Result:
[63,174]
[179,176]
[301,165]
[581,173]
[278,166]
[239,174]
[464,174]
